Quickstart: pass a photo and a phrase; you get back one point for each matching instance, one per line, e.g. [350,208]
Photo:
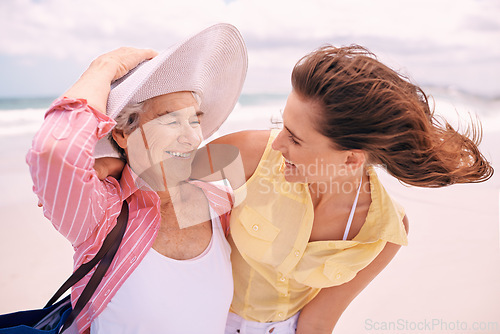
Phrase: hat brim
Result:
[212,63]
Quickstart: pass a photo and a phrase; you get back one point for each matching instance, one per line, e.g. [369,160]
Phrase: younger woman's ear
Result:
[356,159]
[120,138]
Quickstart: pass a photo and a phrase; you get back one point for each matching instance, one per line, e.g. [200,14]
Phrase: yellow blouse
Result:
[276,270]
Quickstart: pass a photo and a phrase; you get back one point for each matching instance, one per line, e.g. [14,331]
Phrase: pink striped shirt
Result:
[83,208]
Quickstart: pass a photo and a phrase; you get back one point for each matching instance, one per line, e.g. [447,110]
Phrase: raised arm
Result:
[95,83]
[61,158]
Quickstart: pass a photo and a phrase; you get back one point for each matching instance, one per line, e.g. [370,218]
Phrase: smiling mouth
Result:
[288,162]
[182,155]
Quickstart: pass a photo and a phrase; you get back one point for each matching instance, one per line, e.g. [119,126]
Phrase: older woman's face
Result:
[162,148]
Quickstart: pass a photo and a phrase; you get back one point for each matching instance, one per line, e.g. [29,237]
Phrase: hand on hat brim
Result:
[94,84]
[120,61]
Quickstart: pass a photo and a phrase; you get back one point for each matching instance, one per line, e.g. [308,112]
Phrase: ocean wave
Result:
[20,121]
[264,112]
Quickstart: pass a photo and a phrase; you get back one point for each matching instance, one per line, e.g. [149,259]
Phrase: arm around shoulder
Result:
[251,145]
[233,157]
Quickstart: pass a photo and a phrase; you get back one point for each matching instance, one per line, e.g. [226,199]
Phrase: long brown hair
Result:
[368,106]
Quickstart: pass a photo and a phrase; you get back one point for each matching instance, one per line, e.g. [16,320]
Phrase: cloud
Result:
[415,35]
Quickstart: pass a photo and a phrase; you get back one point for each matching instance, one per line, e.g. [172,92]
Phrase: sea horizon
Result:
[39,101]
[453,104]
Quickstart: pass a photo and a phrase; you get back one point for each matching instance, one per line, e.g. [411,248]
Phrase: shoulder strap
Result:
[353,209]
[104,257]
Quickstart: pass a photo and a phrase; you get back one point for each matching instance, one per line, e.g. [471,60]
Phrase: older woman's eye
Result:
[195,121]
[169,122]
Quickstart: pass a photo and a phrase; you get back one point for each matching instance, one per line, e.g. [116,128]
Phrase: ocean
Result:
[23,116]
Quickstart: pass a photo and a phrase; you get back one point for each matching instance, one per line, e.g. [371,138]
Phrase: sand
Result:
[447,278]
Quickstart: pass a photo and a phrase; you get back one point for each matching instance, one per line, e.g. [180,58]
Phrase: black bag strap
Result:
[104,257]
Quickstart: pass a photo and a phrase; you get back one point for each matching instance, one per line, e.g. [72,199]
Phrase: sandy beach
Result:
[445,281]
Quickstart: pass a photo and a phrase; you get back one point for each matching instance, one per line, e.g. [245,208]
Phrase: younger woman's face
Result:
[308,155]
[162,148]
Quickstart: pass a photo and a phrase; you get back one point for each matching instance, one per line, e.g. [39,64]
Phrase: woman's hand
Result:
[109,167]
[95,83]
[119,62]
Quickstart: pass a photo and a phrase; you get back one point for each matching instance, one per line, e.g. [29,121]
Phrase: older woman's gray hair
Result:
[128,120]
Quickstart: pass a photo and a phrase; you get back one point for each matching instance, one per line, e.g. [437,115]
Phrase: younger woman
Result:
[316,225]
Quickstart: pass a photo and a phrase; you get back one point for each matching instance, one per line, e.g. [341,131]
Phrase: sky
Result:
[46,44]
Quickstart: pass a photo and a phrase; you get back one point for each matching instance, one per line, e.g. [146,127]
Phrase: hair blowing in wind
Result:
[368,106]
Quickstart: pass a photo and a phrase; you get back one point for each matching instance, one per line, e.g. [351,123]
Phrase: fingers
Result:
[120,61]
[129,58]
[94,84]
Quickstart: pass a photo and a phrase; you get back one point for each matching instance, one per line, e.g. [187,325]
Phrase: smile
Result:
[184,155]
[289,162]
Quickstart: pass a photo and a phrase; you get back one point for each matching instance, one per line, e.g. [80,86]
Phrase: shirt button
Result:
[280,314]
[282,279]
[338,276]
[255,227]
[133,259]
[107,293]
[297,253]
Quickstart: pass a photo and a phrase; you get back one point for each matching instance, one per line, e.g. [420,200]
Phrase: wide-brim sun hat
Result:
[213,64]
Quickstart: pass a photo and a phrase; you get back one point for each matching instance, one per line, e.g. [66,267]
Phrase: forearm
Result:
[316,328]
[94,85]
[324,311]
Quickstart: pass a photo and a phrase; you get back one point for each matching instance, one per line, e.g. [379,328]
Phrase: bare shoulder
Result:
[251,145]
[249,140]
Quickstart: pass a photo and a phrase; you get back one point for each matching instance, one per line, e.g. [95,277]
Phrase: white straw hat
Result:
[212,63]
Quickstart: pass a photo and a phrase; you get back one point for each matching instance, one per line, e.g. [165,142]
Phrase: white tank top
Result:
[165,296]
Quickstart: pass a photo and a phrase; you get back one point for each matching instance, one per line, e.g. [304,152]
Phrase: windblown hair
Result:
[127,121]
[368,106]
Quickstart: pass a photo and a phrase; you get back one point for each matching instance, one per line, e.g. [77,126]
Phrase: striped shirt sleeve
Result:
[61,165]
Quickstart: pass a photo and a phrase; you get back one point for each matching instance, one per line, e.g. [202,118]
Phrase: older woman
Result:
[173,264]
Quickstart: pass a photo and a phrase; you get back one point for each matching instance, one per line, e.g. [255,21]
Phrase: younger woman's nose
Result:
[277,144]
